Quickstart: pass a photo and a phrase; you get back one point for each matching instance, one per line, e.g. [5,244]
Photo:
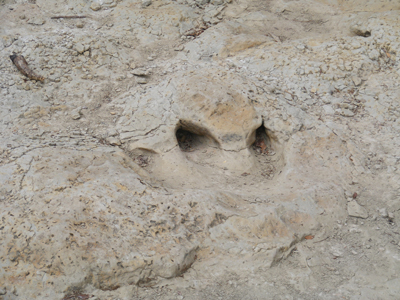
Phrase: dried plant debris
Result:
[21,64]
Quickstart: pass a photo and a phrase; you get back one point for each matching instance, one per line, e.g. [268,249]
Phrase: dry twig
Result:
[68,17]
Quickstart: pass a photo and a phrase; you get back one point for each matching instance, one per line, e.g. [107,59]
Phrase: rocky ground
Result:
[196,149]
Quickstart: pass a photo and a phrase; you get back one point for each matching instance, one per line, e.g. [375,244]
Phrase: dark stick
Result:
[68,17]
[22,65]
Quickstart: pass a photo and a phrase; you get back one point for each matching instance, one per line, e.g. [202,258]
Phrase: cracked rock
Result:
[235,143]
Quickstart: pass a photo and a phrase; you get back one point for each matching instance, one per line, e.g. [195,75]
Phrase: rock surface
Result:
[205,149]
[355,210]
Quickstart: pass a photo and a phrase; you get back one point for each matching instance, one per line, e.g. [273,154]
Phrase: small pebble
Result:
[141,80]
[95,6]
[146,3]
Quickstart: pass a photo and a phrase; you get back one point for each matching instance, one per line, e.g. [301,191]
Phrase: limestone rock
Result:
[356,210]
[37,20]
[132,65]
[202,2]
[76,113]
[383,212]
[347,112]
[146,3]
[361,30]
[212,170]
[217,2]
[95,6]
[141,80]
[140,71]
[114,141]
[79,48]
[356,80]
[374,54]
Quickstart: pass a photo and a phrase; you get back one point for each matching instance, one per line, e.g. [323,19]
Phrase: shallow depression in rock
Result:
[199,161]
